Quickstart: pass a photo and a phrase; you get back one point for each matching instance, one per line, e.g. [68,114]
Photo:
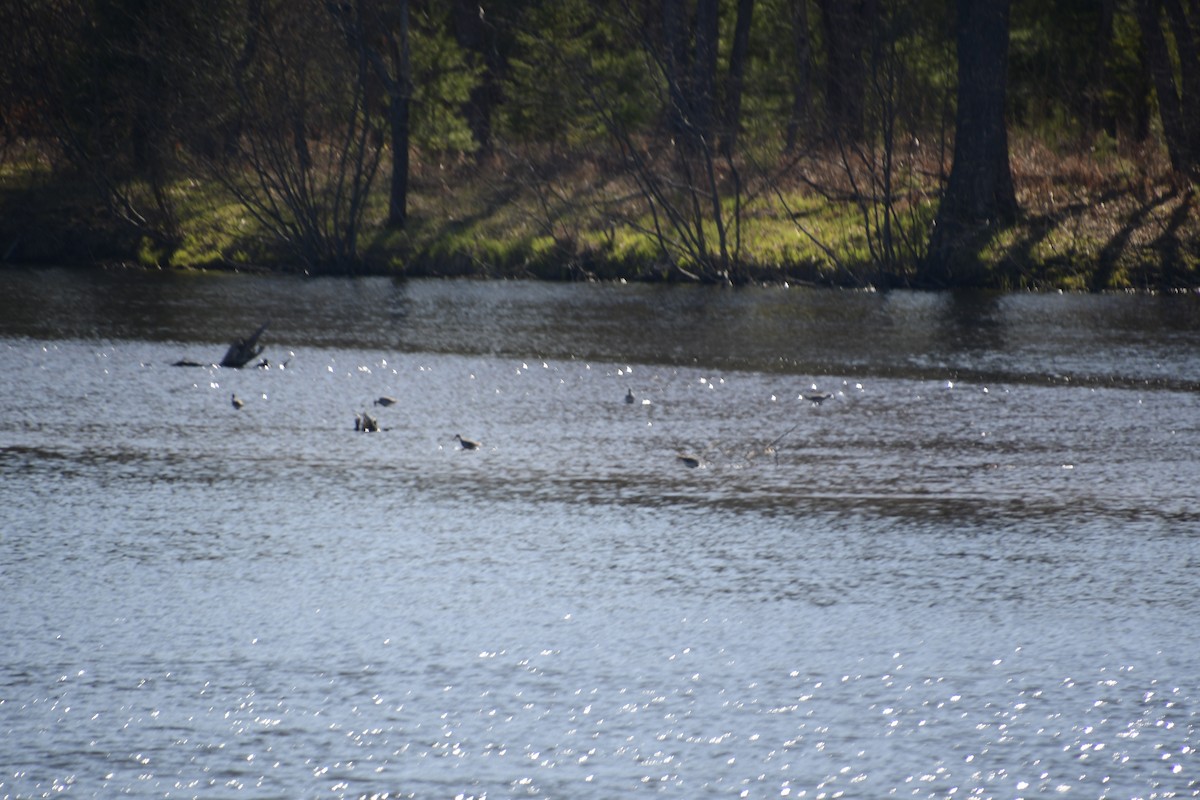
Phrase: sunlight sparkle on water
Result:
[268,604]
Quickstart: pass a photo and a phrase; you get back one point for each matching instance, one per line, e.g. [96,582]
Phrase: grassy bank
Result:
[1091,220]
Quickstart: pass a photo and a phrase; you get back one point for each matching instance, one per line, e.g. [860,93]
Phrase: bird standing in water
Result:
[467,444]
[235,402]
[629,397]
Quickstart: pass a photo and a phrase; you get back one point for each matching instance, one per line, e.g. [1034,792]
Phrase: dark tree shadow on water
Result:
[972,321]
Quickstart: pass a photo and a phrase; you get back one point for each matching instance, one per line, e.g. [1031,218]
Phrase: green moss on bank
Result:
[1089,223]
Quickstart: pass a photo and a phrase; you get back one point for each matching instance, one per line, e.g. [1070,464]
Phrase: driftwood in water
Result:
[243,351]
[187,362]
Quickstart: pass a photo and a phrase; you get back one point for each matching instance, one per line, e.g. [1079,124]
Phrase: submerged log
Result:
[243,351]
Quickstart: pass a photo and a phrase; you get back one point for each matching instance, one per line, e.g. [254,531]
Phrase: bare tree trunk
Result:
[1189,73]
[399,102]
[476,32]
[704,66]
[689,64]
[1141,114]
[1170,103]
[732,115]
[1189,60]
[367,25]
[802,77]
[1100,117]
[675,63]
[844,27]
[979,196]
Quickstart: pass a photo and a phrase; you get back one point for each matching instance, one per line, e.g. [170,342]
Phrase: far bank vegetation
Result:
[719,141]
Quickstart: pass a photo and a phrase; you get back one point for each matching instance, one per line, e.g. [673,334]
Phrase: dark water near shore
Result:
[972,572]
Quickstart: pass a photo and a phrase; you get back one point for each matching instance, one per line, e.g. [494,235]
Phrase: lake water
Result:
[973,572]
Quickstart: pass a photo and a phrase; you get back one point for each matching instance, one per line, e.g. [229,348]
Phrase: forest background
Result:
[927,143]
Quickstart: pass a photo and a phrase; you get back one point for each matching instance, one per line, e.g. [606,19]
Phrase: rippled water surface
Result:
[972,572]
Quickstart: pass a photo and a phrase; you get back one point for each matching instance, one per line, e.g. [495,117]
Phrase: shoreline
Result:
[1087,224]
